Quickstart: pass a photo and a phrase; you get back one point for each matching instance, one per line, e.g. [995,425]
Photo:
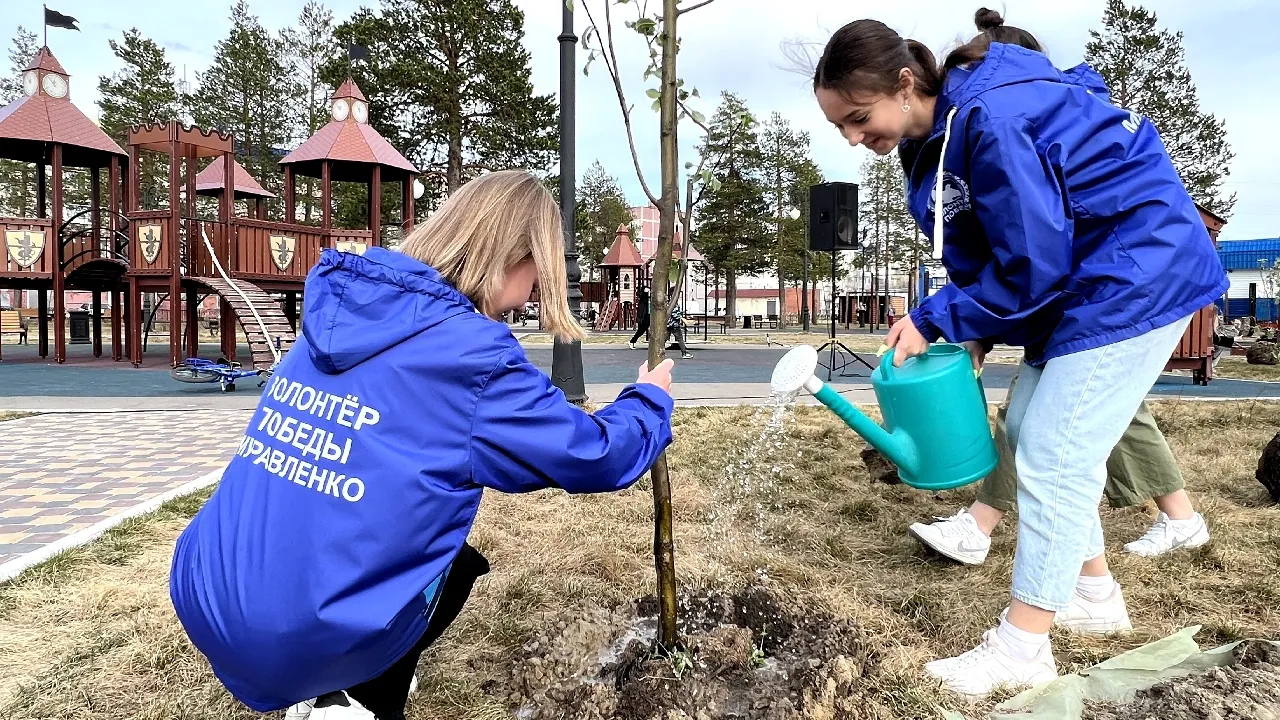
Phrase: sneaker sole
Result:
[961,558]
[1096,627]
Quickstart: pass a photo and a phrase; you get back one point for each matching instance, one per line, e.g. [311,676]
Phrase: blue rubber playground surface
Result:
[23,375]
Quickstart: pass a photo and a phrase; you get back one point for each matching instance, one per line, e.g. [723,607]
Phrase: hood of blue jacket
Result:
[358,306]
[1004,66]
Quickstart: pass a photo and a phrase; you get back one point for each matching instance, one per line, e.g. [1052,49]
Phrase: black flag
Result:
[356,51]
[53,18]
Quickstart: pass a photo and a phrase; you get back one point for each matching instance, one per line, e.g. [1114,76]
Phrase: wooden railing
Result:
[275,251]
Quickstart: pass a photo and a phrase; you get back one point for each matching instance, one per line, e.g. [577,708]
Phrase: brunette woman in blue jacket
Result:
[1064,229]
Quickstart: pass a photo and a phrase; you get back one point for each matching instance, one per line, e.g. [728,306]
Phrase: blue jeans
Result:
[1063,420]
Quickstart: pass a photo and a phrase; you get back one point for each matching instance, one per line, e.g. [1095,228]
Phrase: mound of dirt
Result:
[746,655]
[1247,689]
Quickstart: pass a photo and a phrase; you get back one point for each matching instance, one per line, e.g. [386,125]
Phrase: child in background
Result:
[333,551]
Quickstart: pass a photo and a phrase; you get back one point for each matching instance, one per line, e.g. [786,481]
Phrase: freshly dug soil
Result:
[747,655]
[1249,688]
[879,467]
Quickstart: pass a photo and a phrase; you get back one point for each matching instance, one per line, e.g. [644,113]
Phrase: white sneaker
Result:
[1095,618]
[989,666]
[339,706]
[301,711]
[1167,535]
[957,537]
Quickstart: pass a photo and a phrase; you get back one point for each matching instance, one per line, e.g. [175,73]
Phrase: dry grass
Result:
[1237,367]
[91,635]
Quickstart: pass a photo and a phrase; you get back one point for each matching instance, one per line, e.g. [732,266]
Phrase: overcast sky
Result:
[737,45]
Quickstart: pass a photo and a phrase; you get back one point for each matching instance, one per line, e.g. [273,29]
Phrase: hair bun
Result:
[987,19]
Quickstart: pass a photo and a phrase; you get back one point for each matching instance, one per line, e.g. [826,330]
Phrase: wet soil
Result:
[746,655]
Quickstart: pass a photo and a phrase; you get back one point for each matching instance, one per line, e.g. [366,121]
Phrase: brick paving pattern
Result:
[62,473]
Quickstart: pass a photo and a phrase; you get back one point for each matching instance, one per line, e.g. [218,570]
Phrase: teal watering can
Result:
[935,413]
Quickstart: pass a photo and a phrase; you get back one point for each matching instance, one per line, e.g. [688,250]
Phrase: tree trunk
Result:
[663,543]
[731,297]
[782,288]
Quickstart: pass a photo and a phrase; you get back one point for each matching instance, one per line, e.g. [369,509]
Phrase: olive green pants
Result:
[1141,465]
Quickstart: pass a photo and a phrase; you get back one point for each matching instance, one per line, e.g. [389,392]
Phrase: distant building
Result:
[1250,265]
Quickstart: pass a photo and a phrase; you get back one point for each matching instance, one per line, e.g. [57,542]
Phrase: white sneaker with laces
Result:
[339,706]
[1167,535]
[1087,617]
[989,666]
[957,537]
[301,711]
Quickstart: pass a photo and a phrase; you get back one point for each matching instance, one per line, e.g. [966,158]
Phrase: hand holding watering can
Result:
[908,343]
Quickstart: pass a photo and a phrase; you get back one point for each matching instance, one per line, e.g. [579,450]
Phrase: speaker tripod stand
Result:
[834,347]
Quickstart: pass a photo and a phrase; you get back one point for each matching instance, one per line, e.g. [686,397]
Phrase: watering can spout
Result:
[795,372]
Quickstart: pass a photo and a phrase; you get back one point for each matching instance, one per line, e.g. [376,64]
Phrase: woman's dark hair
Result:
[866,56]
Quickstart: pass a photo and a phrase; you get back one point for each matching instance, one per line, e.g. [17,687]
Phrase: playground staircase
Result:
[268,309]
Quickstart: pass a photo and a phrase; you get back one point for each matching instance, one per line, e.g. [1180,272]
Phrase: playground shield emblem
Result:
[25,246]
[350,246]
[282,250]
[149,237]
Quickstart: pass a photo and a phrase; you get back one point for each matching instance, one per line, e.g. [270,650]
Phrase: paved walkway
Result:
[61,474]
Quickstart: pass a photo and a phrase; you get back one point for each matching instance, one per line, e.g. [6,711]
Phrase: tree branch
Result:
[693,7]
[611,63]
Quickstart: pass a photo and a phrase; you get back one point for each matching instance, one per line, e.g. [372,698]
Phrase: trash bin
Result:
[746,321]
[79,327]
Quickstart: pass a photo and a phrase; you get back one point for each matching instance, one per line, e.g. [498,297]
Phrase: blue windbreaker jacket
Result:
[359,476]
[1065,226]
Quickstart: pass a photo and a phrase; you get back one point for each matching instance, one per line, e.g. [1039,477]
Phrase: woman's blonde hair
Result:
[490,224]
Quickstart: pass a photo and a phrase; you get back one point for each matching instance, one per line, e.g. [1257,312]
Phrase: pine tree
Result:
[144,91]
[787,172]
[601,208]
[312,47]
[734,227]
[449,84]
[882,211]
[248,91]
[24,49]
[1145,70]
[17,179]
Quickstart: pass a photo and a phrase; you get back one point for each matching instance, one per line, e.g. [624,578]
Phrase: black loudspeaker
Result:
[833,216]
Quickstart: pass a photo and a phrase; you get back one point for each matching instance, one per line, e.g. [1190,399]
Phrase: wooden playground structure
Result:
[255,267]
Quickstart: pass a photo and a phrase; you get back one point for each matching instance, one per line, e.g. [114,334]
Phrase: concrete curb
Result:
[22,563]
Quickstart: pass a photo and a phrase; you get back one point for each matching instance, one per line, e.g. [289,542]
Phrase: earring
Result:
[906,107]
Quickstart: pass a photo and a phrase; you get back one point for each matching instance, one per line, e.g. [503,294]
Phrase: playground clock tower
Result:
[349,103]
[45,74]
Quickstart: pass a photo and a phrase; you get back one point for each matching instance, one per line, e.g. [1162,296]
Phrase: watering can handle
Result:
[886,364]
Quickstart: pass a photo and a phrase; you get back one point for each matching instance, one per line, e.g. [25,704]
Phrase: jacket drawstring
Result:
[937,189]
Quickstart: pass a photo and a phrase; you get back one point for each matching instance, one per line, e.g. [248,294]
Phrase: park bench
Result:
[11,324]
[698,322]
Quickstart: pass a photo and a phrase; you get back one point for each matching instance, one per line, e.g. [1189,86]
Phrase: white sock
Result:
[1186,523]
[1095,588]
[1021,645]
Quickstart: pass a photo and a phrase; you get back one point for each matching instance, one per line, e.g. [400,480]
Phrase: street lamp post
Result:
[566,358]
